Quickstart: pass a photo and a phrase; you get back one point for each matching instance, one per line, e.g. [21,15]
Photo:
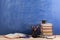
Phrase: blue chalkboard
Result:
[20,15]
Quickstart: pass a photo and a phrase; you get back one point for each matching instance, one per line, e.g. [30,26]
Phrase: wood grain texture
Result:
[57,38]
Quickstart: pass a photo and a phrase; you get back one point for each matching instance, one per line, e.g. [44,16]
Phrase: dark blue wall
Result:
[20,15]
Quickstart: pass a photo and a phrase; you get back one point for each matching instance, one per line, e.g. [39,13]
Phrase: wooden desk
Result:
[57,38]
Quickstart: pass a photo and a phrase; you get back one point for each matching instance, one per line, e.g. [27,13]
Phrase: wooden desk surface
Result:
[57,38]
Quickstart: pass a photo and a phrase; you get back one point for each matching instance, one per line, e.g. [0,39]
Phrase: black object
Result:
[34,34]
[43,21]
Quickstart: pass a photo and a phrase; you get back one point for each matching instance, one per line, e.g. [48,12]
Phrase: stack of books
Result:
[46,29]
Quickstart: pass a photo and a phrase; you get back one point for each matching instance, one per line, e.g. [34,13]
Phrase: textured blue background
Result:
[56,15]
[20,15]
